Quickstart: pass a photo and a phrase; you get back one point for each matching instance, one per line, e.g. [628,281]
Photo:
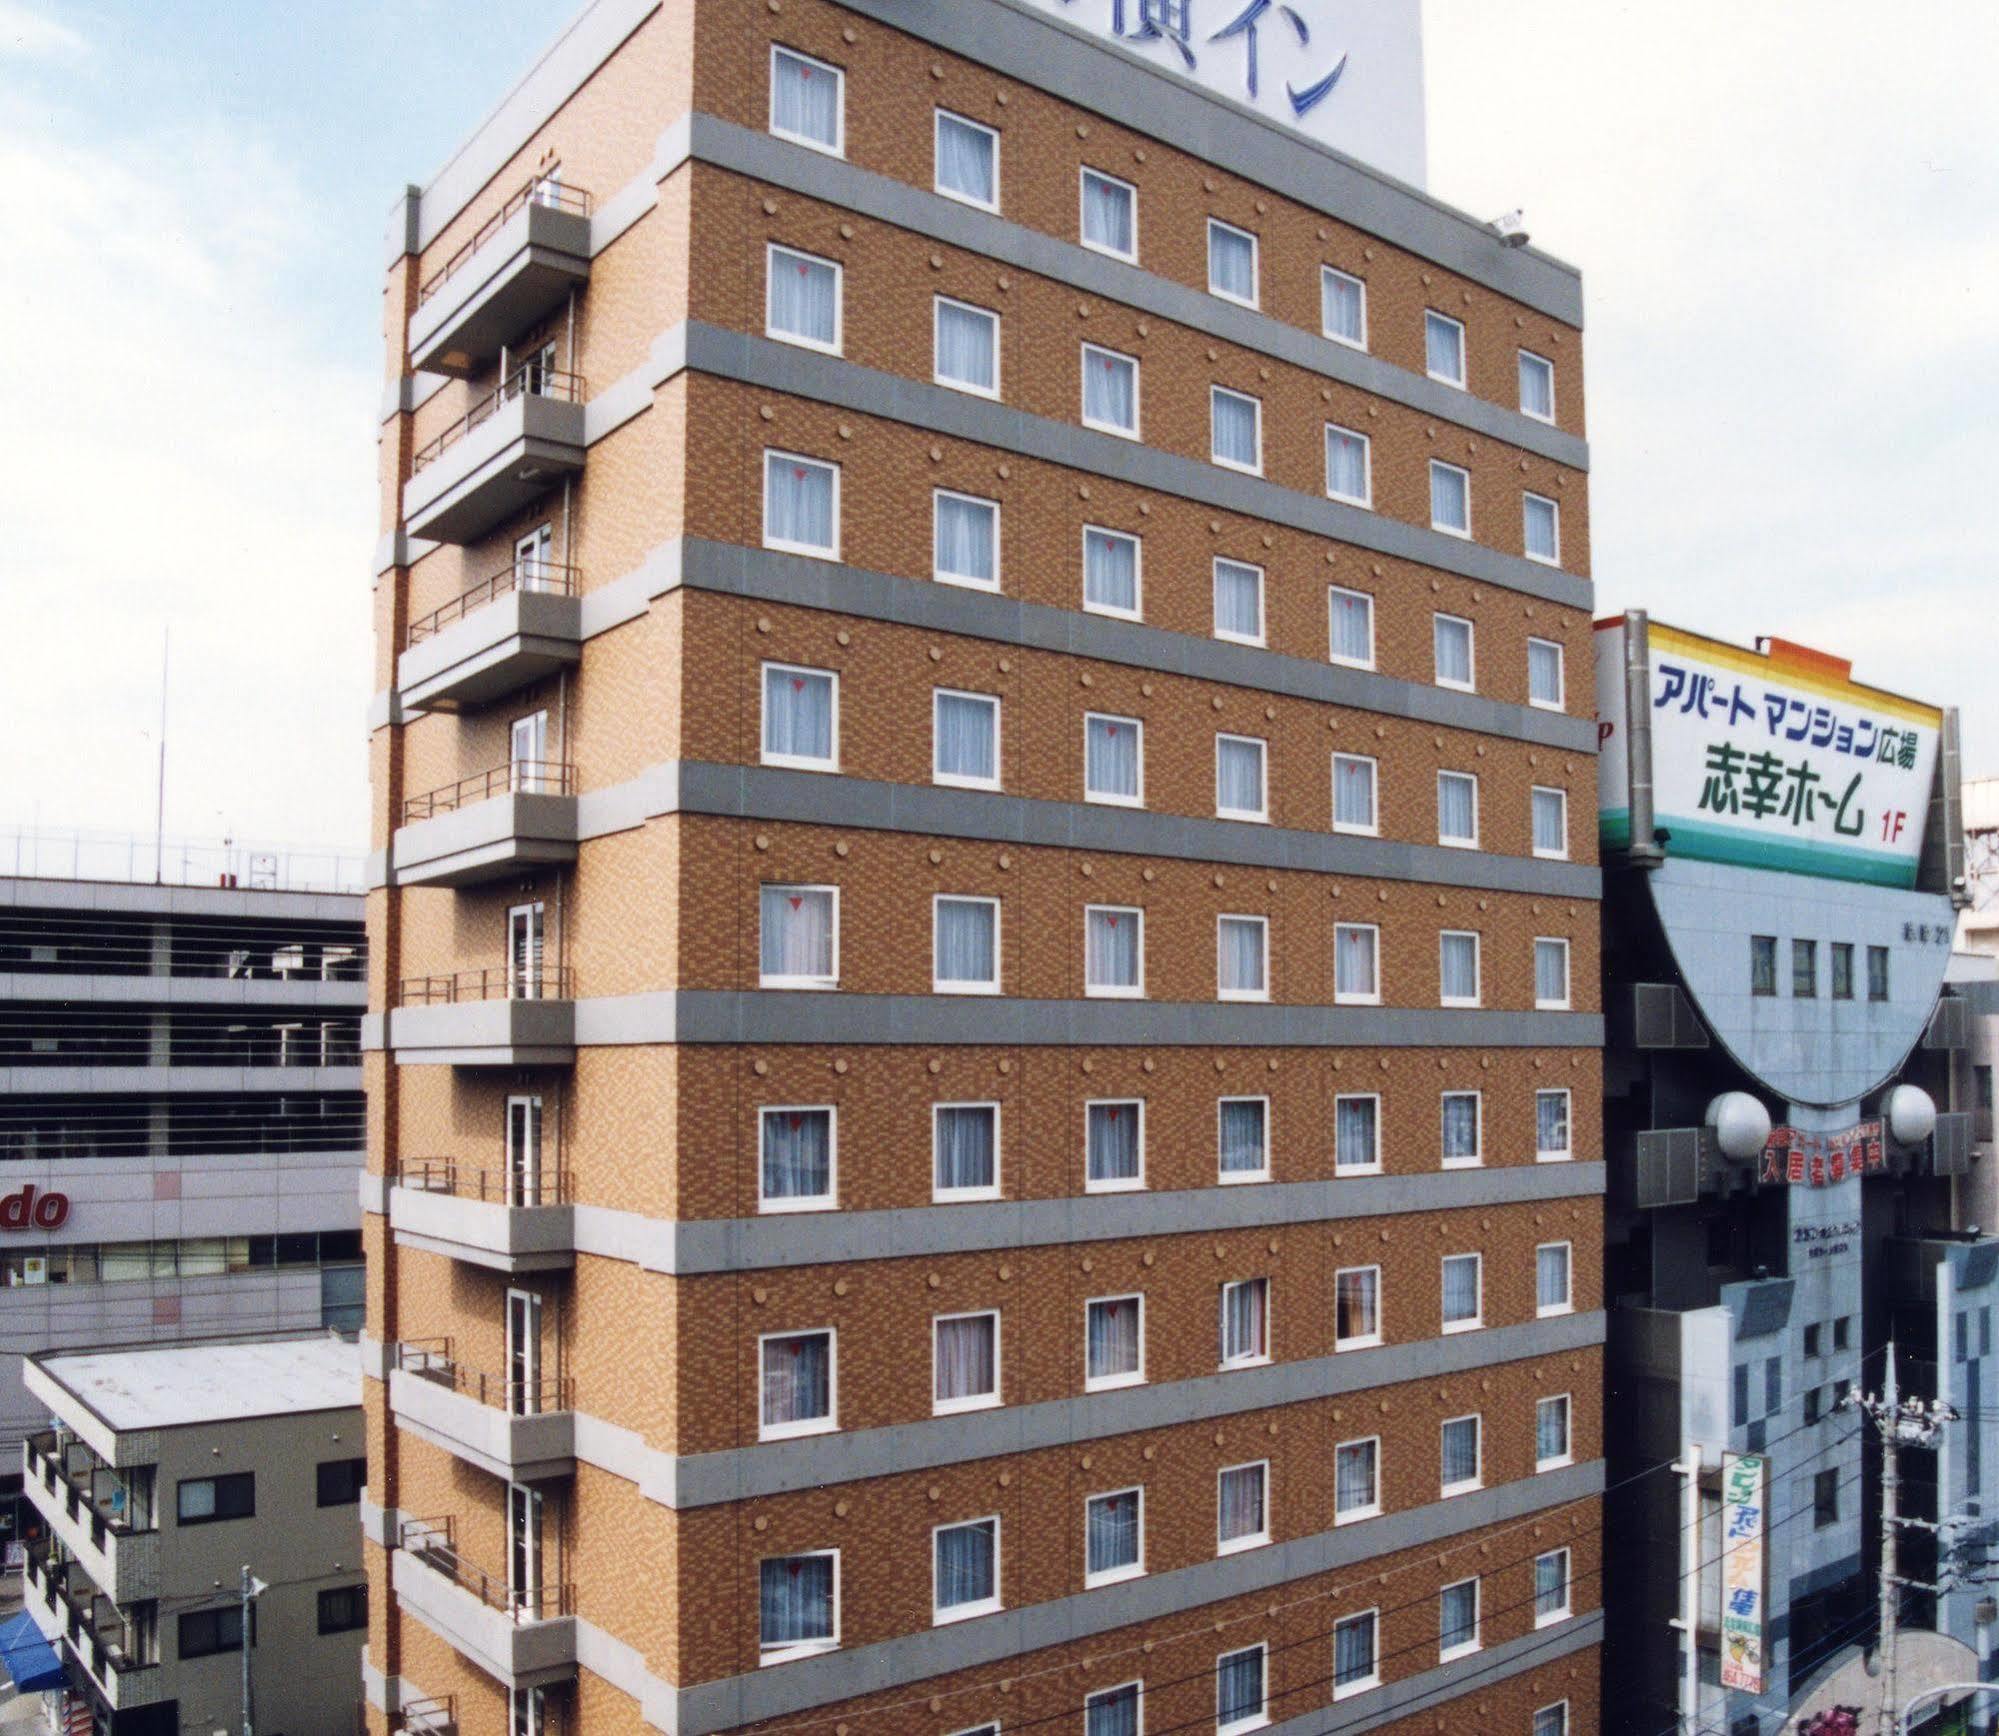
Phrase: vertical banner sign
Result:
[1742,1602]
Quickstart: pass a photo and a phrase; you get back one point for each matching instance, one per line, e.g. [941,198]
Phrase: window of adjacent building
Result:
[1114,760]
[1349,467]
[339,1482]
[1113,1712]
[1459,1450]
[1773,1383]
[1762,964]
[965,749]
[1457,809]
[965,542]
[1231,263]
[967,347]
[1356,1480]
[1551,1279]
[1342,307]
[1825,1499]
[1242,1507]
[1981,1078]
[1115,1525]
[1110,391]
[1805,969]
[1354,798]
[1877,973]
[801,505]
[1244,1138]
[1457,968]
[1457,1620]
[1812,1337]
[1541,529]
[1450,498]
[965,1579]
[1551,1587]
[798,1605]
[1239,777]
[1537,386]
[1113,1342]
[802,298]
[800,941]
[1245,1326]
[965,1151]
[1356,964]
[1357,1135]
[1550,811]
[1112,573]
[796,1384]
[1242,958]
[1551,1433]
[801,721]
[1356,1307]
[1842,970]
[1238,602]
[206,1633]
[1239,1697]
[1110,214]
[1814,1404]
[1451,645]
[1356,1654]
[1235,429]
[806,100]
[1443,347]
[343,1609]
[798,1159]
[208,1500]
[1352,622]
[965,1362]
[967,161]
[1842,1332]
[1551,1126]
[1463,1114]
[1114,951]
[1552,1720]
[1115,1138]
[1551,973]
[966,958]
[1546,683]
[1463,1292]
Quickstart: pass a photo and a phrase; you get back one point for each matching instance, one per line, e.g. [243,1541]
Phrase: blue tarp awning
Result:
[29,1658]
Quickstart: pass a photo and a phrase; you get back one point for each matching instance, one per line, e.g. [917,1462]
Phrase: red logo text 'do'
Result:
[28,1208]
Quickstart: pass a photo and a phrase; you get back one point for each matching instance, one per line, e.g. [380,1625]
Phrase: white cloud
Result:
[29,35]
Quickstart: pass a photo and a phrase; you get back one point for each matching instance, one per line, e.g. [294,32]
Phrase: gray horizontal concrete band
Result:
[160,990]
[778,367]
[108,897]
[838,182]
[179,1080]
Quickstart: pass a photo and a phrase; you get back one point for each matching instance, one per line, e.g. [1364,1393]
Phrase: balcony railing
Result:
[530,380]
[548,1187]
[516,778]
[550,578]
[426,1717]
[45,1454]
[539,191]
[102,1647]
[431,1359]
[431,1542]
[498,982]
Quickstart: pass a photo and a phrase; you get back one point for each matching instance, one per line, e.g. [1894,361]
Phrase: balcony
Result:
[102,1517]
[524,260]
[522,1431]
[524,1640]
[426,1717]
[488,826]
[75,1617]
[517,442]
[510,629]
[493,1017]
[484,1217]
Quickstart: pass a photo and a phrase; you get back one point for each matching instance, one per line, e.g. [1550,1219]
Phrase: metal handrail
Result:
[523,573]
[421,1717]
[529,380]
[431,1359]
[515,778]
[46,1447]
[446,1175]
[430,1541]
[539,190]
[498,982]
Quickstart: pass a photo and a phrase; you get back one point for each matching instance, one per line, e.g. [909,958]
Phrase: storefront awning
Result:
[28,1657]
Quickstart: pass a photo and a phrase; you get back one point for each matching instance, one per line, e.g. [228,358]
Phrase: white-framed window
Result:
[1110,215]
[1231,262]
[1240,778]
[798,1384]
[1356,1654]
[1355,800]
[965,1151]
[1460,1455]
[1552,1720]
[1113,573]
[1110,391]
[1356,1480]
[1238,602]
[1463,1129]
[1114,1526]
[1551,1587]
[1546,686]
[1454,651]
[965,745]
[965,957]
[1243,1138]
[1357,1134]
[800,942]
[1550,809]
[1235,430]
[799,1605]
[965,1578]
[1552,1294]
[807,101]
[1457,968]
[798,1158]
[967,347]
[964,1362]
[801,505]
[1245,1326]
[965,540]
[1351,618]
[1552,1446]
[1356,1307]
[1457,1620]
[1113,760]
[967,161]
[1240,1702]
[1242,958]
[1450,498]
[1457,810]
[1349,466]
[1551,973]
[802,298]
[1537,386]
[1113,951]
[1343,307]
[1541,529]
[1444,347]
[801,717]
[1463,1298]
[1114,1145]
[1552,1142]
[1357,964]
[1113,1342]
[1242,1507]
[1118,1711]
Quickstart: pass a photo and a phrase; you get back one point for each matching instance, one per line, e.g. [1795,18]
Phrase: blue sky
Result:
[1788,219]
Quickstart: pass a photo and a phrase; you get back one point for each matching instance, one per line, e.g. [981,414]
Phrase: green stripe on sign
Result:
[1705,843]
[1613,827]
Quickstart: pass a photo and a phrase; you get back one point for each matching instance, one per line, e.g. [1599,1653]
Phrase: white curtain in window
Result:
[1552,1720]
[1234,433]
[1114,1153]
[1551,1582]
[1461,1288]
[1113,949]
[798,501]
[967,346]
[1353,961]
[1110,389]
[1239,1687]
[1460,1124]
[965,160]
[797,1384]
[966,1154]
[797,1601]
[1353,1650]
[1539,526]
[1537,386]
[1110,571]
[1346,464]
[1353,1132]
[1353,792]
[967,538]
[1460,1450]
[1240,1494]
[967,1564]
[1551,1276]
[1551,822]
[1551,971]
[1453,643]
[1113,1338]
[1112,1714]
[1353,1476]
[1458,1617]
[1240,942]
[1113,1529]
[1243,1147]
[1551,1121]
[967,1358]
[1107,214]
[1353,626]
[1457,806]
[1450,498]
[805,100]
[1112,753]
[1459,956]
[966,730]
[1544,672]
[1231,263]
[803,298]
[797,1154]
[1342,307]
[1244,1309]
[967,941]
[1238,600]
[1238,775]
[798,714]
[1357,1304]
[1443,347]
[797,932]
[1551,1428]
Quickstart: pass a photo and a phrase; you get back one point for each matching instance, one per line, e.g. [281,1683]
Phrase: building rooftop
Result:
[203,1383]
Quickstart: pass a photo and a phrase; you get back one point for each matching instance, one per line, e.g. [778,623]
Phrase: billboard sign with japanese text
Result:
[1742,1594]
[1773,758]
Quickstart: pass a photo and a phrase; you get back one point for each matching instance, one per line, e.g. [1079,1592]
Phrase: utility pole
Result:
[253,1588]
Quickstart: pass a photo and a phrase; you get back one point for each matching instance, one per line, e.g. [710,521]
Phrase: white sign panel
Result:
[1742,1594]
[1348,75]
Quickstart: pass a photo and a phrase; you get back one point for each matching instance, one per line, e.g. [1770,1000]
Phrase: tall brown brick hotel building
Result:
[984,1063]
